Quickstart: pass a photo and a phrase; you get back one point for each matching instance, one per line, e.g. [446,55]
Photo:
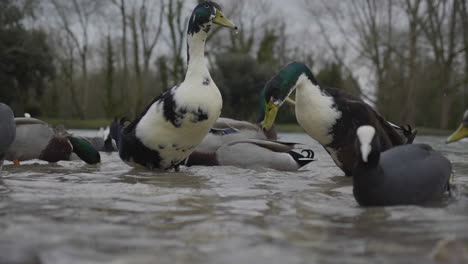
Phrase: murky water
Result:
[71,212]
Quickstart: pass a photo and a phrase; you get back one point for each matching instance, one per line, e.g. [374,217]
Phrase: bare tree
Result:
[177,27]
[439,25]
[78,13]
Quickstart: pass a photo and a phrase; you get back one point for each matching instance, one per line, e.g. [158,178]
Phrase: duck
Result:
[254,153]
[7,130]
[226,130]
[175,122]
[404,175]
[461,132]
[328,115]
[103,141]
[36,139]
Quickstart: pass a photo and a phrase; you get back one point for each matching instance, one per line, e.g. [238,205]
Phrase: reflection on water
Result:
[71,212]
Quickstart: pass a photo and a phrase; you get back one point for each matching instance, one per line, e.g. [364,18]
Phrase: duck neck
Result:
[196,53]
[316,111]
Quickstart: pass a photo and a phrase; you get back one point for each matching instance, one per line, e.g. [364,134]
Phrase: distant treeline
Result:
[88,59]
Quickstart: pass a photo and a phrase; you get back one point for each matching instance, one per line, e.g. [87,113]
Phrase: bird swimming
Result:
[254,153]
[36,139]
[328,115]
[7,130]
[174,123]
[405,174]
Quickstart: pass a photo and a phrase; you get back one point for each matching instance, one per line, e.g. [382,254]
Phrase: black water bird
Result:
[403,175]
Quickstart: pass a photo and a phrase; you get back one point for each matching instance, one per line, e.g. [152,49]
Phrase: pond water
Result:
[71,212]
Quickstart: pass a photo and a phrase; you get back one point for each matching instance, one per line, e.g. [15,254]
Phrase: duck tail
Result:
[85,150]
[302,160]
[116,127]
[409,133]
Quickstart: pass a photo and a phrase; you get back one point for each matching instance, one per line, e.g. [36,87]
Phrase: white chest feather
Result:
[315,111]
[197,104]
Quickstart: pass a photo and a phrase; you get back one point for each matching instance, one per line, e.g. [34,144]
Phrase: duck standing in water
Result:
[328,115]
[174,123]
[462,130]
[7,130]
[406,174]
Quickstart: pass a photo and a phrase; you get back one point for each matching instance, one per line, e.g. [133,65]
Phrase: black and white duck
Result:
[7,130]
[405,174]
[462,130]
[174,123]
[328,115]
[36,139]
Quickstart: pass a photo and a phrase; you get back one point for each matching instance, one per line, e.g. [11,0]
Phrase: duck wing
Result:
[275,146]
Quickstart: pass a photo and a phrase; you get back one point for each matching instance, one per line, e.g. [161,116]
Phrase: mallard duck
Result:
[174,123]
[406,174]
[36,139]
[254,153]
[462,130]
[7,130]
[328,115]
[226,130]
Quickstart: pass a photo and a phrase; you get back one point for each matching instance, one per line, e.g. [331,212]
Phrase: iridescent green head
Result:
[278,89]
[204,15]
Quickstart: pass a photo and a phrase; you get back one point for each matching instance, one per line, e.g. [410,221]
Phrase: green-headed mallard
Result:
[174,123]
[462,130]
[328,115]
[7,130]
[36,139]
[254,153]
[406,174]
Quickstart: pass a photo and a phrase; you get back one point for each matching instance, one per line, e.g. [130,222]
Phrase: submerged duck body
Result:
[36,139]
[328,115]
[254,153]
[407,174]
[7,130]
[173,124]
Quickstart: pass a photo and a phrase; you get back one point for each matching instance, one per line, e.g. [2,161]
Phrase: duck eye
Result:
[207,6]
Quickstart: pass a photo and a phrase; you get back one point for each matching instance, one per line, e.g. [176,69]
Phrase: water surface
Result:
[71,212]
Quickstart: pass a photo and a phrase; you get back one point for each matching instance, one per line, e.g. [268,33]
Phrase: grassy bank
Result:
[78,124]
[285,128]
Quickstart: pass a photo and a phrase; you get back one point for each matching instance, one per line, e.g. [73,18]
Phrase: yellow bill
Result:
[290,101]
[221,20]
[460,133]
[271,110]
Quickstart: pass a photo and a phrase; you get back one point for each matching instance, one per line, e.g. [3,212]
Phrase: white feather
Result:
[365,135]
[314,111]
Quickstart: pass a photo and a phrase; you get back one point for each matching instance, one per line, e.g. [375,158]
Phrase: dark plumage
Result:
[406,174]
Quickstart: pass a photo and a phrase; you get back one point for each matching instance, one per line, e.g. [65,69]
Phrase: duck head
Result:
[279,88]
[462,130]
[367,145]
[205,15]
